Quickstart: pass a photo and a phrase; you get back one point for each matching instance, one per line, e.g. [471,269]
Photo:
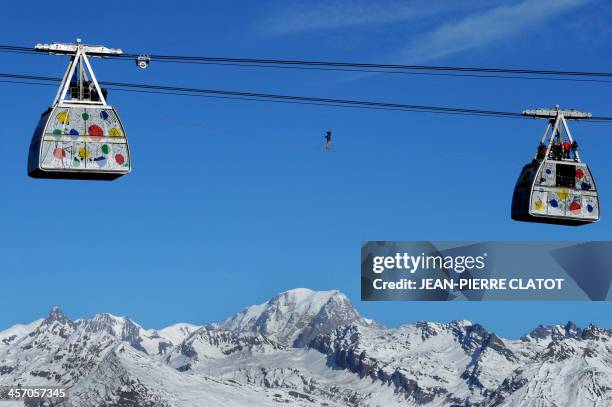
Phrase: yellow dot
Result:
[83,153]
[539,205]
[562,194]
[114,132]
[63,117]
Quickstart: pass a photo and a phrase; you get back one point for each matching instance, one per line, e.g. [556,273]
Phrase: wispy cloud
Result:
[484,28]
[443,27]
[317,15]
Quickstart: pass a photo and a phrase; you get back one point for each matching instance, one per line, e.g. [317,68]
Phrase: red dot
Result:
[95,130]
[579,173]
[59,153]
[574,207]
[120,159]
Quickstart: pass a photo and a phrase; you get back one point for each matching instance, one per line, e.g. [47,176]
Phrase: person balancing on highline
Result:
[327,137]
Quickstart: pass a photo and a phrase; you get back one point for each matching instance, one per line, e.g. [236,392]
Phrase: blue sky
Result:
[231,202]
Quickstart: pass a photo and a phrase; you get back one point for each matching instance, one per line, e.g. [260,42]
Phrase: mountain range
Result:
[307,348]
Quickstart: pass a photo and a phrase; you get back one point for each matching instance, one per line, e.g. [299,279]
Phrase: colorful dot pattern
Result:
[84,138]
[578,202]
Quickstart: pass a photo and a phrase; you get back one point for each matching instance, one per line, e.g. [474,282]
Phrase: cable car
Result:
[556,187]
[80,136]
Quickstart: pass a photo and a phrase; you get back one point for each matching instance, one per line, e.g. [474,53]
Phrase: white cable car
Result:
[80,136]
[556,187]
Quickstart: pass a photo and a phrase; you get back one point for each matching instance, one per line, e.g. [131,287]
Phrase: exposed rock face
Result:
[120,327]
[213,343]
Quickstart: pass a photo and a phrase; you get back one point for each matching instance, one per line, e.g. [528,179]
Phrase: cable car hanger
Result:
[80,136]
[79,59]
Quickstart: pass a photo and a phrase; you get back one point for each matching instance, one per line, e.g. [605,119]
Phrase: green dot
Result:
[57,132]
[105,149]
[76,162]
[85,116]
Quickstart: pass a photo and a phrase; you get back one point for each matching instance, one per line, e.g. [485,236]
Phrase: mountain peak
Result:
[461,322]
[594,332]
[571,329]
[553,332]
[122,328]
[295,316]
[308,300]
[110,323]
[56,315]
[302,291]
[303,294]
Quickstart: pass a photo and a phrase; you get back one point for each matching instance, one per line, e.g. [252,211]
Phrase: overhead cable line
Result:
[270,97]
[286,98]
[459,71]
[368,65]
[393,72]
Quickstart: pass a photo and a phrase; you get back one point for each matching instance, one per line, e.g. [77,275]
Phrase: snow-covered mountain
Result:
[16,332]
[295,317]
[307,348]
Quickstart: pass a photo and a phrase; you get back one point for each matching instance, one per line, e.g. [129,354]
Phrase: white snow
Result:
[178,332]
[291,313]
[353,361]
[17,331]
[300,300]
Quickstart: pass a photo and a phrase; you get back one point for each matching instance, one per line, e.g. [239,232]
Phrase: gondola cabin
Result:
[79,143]
[80,136]
[556,187]
[559,192]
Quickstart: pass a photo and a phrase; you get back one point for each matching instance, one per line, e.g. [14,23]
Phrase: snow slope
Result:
[17,331]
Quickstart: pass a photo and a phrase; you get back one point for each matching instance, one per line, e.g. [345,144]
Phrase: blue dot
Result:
[103,115]
[548,171]
[585,186]
[101,161]
[554,203]
[590,208]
